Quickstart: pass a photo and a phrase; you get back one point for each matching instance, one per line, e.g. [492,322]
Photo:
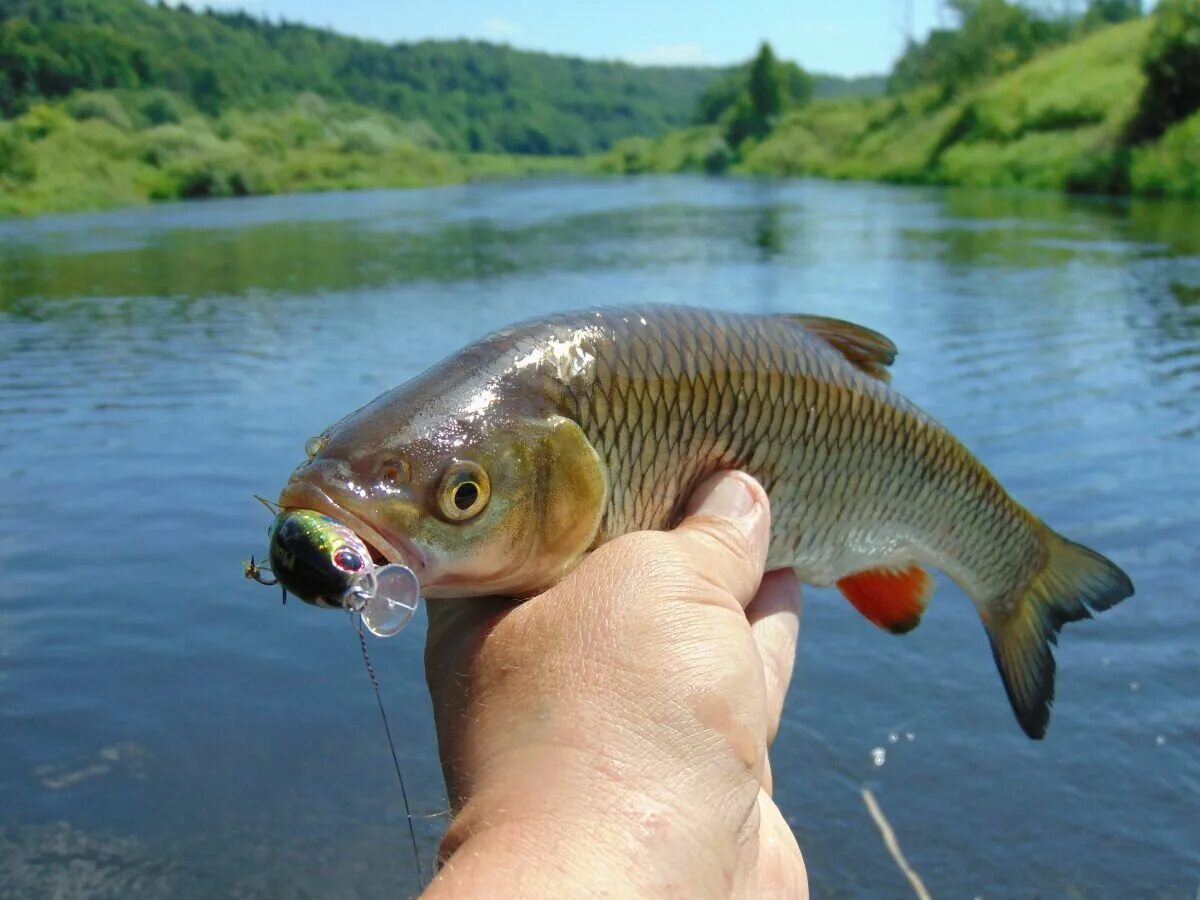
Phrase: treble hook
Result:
[255,572]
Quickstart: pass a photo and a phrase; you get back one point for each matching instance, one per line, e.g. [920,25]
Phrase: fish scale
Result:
[599,423]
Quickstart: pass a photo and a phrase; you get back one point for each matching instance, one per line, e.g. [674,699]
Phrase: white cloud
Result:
[670,55]
[498,29]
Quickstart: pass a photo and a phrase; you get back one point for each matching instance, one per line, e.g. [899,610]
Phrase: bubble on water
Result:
[1105,661]
[893,737]
[878,756]
[909,736]
[1160,740]
[1134,685]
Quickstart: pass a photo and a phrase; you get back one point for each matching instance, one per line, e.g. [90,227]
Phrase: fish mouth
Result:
[385,546]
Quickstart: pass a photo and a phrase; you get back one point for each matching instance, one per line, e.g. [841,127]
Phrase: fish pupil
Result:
[347,560]
[465,495]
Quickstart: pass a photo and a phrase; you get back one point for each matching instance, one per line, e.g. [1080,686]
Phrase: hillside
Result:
[474,96]
[110,102]
[1060,122]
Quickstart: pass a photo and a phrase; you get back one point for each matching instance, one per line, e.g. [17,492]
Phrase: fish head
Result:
[316,558]
[475,505]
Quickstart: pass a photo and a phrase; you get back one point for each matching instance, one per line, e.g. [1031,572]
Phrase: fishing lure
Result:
[323,562]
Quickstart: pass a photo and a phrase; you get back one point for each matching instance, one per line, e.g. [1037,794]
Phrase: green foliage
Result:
[1110,12]
[475,96]
[749,101]
[105,107]
[781,85]
[698,149]
[1172,66]
[18,165]
[159,107]
[994,36]
[1170,167]
[766,87]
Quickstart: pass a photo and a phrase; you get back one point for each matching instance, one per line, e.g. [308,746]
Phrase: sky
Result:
[841,37]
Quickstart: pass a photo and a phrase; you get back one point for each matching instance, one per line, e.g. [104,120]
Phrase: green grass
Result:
[102,150]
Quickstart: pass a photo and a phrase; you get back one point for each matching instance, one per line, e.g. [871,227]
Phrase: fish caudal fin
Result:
[894,599]
[1073,583]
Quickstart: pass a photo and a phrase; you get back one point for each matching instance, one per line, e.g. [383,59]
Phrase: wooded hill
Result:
[473,96]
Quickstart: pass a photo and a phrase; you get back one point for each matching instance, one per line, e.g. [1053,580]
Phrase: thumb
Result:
[726,532]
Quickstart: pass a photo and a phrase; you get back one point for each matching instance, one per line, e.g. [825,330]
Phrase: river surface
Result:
[167,729]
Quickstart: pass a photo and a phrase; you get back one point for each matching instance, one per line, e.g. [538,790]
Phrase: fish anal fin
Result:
[863,348]
[892,598]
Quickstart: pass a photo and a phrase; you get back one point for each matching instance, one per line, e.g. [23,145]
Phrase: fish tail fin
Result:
[1073,583]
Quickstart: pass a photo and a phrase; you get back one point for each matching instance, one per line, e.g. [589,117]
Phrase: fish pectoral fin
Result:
[892,598]
[863,348]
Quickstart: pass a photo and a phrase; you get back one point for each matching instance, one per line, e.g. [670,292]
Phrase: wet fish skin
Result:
[600,423]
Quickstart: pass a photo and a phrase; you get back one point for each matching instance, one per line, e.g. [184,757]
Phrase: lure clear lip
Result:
[385,598]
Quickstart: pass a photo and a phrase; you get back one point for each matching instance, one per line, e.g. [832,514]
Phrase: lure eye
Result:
[463,492]
[347,560]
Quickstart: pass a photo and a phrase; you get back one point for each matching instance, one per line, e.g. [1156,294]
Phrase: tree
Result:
[766,88]
[1171,63]
[1109,12]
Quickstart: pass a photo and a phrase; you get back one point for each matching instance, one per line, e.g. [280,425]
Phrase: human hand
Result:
[609,737]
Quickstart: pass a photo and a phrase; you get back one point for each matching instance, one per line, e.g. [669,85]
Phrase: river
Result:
[168,729]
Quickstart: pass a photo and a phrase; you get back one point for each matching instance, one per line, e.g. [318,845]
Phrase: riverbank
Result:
[103,150]
[1057,123]
[1060,123]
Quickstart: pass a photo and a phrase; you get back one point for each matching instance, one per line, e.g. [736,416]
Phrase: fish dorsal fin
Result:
[893,599]
[865,349]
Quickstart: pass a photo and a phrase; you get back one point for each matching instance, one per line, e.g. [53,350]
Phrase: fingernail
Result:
[725,495]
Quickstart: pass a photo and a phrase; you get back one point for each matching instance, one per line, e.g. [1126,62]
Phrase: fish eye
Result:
[463,492]
[313,446]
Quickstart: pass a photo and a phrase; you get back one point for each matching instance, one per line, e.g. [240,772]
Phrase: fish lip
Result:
[396,548]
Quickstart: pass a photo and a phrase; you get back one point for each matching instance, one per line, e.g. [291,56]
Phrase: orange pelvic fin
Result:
[868,350]
[893,599]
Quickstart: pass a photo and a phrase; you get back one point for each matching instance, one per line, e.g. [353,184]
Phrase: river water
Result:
[168,729]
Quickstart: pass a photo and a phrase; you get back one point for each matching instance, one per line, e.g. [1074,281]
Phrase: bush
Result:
[1171,63]
[162,108]
[230,174]
[1170,167]
[170,143]
[420,134]
[43,120]
[369,136]
[17,162]
[103,107]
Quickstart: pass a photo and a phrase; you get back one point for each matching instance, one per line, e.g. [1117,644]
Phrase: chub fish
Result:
[497,470]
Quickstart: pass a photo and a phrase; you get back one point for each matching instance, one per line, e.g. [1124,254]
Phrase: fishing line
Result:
[412,832]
